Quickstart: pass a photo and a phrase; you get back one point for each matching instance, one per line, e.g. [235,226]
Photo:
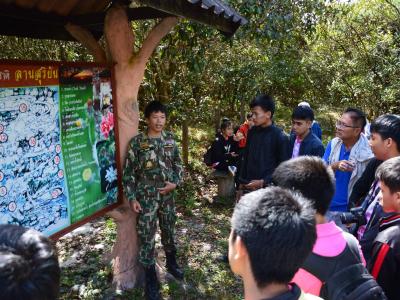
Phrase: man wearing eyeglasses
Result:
[348,154]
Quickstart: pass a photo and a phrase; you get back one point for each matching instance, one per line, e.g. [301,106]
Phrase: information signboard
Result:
[57,144]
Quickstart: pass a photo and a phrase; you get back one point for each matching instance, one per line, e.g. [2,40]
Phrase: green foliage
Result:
[41,50]
[354,57]
[186,195]
[332,53]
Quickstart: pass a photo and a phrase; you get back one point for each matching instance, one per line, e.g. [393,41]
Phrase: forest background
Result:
[332,54]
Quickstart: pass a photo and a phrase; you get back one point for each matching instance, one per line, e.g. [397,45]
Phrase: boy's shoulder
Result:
[389,231]
[277,131]
[315,139]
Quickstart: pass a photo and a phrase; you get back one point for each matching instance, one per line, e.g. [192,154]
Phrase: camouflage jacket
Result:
[150,162]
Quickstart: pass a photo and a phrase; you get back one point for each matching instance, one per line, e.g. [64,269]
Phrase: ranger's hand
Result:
[135,206]
[255,184]
[169,186]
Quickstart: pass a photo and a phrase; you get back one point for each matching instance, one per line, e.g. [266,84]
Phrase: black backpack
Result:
[344,277]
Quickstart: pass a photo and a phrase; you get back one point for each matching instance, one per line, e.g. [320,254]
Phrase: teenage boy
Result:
[152,172]
[273,231]
[267,146]
[315,127]
[385,144]
[385,262]
[29,266]
[315,181]
[302,140]
[348,154]
[363,184]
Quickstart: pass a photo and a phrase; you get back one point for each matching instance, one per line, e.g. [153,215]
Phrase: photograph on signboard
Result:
[87,137]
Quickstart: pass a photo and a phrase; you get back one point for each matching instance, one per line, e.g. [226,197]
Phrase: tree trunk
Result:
[242,111]
[185,142]
[129,70]
[217,117]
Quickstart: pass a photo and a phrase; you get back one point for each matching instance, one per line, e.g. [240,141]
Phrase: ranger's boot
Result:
[172,265]
[152,288]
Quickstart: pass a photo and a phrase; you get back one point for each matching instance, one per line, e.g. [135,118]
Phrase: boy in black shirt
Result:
[267,146]
[385,261]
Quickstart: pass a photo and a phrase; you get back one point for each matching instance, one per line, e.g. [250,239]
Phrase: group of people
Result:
[290,225]
[353,185]
[269,145]
[291,228]
[293,236]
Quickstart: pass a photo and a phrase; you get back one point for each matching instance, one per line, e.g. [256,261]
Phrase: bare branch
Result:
[394,6]
[154,38]
[119,34]
[86,38]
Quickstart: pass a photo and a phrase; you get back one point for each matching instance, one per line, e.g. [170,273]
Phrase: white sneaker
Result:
[232,170]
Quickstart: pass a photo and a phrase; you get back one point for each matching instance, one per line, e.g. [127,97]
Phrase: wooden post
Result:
[129,71]
[185,141]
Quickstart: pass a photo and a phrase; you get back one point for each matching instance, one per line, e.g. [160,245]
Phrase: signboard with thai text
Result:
[57,144]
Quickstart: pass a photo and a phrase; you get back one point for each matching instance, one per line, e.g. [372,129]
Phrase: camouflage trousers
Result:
[155,206]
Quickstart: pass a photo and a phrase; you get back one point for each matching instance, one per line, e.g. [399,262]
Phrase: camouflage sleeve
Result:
[177,166]
[128,178]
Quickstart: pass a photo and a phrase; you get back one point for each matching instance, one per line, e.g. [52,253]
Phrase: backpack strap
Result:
[313,265]
[352,246]
[350,255]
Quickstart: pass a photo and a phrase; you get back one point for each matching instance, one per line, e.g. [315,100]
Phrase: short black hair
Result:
[357,116]
[389,173]
[225,124]
[266,102]
[155,106]
[277,227]
[309,176]
[387,126]
[29,266]
[303,113]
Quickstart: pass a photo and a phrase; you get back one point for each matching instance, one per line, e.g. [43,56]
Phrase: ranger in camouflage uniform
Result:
[152,171]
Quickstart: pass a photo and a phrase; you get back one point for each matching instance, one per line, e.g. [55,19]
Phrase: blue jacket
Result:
[311,145]
[316,129]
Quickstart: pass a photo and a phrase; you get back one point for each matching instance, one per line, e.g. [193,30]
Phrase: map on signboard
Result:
[32,184]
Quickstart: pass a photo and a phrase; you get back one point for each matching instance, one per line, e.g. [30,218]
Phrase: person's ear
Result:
[269,114]
[241,251]
[309,123]
[389,143]
[397,200]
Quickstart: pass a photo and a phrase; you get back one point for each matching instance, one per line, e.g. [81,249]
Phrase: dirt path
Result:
[202,232]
